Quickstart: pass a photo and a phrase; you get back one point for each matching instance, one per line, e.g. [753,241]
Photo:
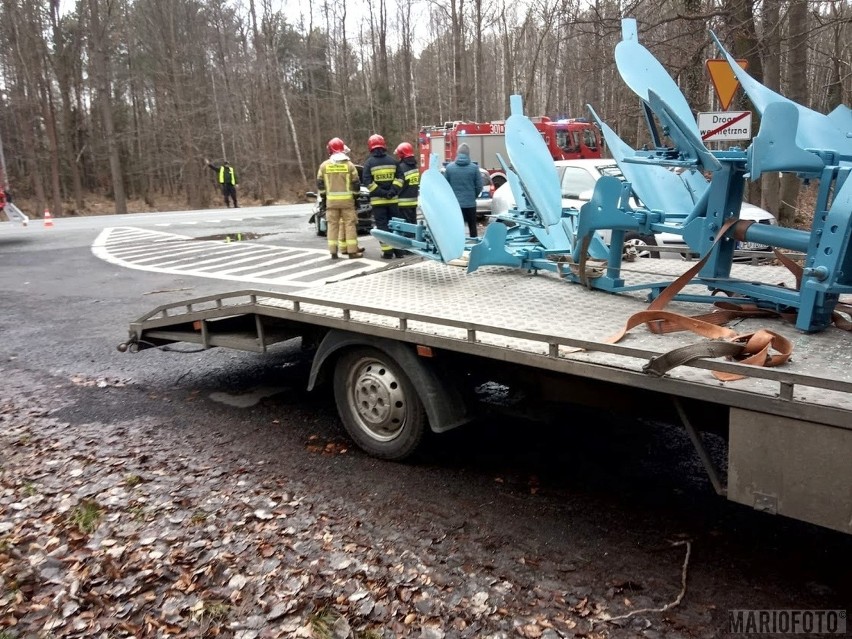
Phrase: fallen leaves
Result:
[315,445]
[106,531]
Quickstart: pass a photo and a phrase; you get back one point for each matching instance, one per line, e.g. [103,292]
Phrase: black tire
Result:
[637,240]
[378,404]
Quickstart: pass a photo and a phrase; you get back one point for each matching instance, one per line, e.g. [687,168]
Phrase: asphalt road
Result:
[68,306]
[590,509]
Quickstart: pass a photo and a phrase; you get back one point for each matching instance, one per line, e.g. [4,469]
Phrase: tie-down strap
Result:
[761,348]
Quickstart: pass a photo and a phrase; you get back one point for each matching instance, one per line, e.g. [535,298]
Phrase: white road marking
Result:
[162,252]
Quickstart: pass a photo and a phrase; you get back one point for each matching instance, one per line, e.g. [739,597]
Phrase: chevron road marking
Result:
[262,264]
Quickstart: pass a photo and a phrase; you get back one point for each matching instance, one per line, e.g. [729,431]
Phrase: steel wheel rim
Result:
[376,399]
[639,246]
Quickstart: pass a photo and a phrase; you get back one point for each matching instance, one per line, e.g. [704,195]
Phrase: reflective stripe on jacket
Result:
[337,179]
[410,182]
[382,178]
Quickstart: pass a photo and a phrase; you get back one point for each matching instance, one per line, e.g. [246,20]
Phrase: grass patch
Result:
[86,516]
[209,614]
[198,517]
[137,513]
[132,480]
[216,610]
[323,621]
[29,490]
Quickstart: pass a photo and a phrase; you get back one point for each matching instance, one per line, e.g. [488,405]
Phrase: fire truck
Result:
[566,139]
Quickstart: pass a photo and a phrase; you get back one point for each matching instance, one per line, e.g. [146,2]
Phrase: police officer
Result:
[383,180]
[227,179]
[337,182]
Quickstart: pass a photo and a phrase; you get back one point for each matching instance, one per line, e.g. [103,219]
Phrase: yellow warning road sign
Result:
[724,80]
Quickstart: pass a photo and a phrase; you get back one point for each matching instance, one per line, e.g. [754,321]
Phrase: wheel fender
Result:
[442,401]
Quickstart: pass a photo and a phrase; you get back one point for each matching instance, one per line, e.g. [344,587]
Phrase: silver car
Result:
[484,201]
[577,179]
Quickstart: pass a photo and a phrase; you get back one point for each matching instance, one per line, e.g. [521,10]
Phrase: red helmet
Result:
[335,145]
[404,150]
[376,141]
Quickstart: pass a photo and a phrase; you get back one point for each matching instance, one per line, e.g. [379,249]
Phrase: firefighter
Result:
[410,175]
[383,180]
[227,179]
[338,185]
[410,191]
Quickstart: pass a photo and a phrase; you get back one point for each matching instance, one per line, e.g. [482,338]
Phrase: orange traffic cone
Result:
[48,219]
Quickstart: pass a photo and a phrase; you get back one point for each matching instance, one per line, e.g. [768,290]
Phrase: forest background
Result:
[122,99]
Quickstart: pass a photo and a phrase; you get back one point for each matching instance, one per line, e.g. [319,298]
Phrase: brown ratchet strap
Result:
[752,349]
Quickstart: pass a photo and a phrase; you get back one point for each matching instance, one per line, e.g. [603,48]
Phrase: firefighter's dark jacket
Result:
[382,178]
[410,182]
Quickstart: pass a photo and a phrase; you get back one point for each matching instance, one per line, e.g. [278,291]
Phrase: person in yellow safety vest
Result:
[227,179]
[383,180]
[338,185]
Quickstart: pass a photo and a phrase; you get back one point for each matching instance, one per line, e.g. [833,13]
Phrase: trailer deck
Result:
[493,313]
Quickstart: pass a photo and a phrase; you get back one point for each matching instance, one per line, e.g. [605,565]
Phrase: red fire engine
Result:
[566,140]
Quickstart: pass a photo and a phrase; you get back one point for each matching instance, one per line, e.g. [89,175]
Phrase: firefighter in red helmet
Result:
[408,194]
[410,191]
[383,180]
[338,185]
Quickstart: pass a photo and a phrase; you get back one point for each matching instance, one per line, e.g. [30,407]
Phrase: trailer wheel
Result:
[378,404]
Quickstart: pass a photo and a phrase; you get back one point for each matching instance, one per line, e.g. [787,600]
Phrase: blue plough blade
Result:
[491,249]
[442,212]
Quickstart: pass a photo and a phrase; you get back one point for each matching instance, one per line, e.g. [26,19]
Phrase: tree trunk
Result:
[746,46]
[771,49]
[797,59]
[101,73]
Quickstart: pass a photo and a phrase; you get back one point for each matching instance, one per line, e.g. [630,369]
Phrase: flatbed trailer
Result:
[404,347]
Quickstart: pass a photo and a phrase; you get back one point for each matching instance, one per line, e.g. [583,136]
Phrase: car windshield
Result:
[577,180]
[611,170]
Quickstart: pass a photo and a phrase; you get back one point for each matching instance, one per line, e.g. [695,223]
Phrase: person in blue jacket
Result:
[466,180]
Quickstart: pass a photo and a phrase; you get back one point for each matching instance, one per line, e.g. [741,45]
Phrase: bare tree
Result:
[124,97]
[771,56]
[797,89]
[100,68]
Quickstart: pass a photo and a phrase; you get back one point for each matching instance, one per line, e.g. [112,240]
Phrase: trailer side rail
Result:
[781,387]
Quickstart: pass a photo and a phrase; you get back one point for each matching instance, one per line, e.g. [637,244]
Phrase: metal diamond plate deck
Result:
[505,298]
